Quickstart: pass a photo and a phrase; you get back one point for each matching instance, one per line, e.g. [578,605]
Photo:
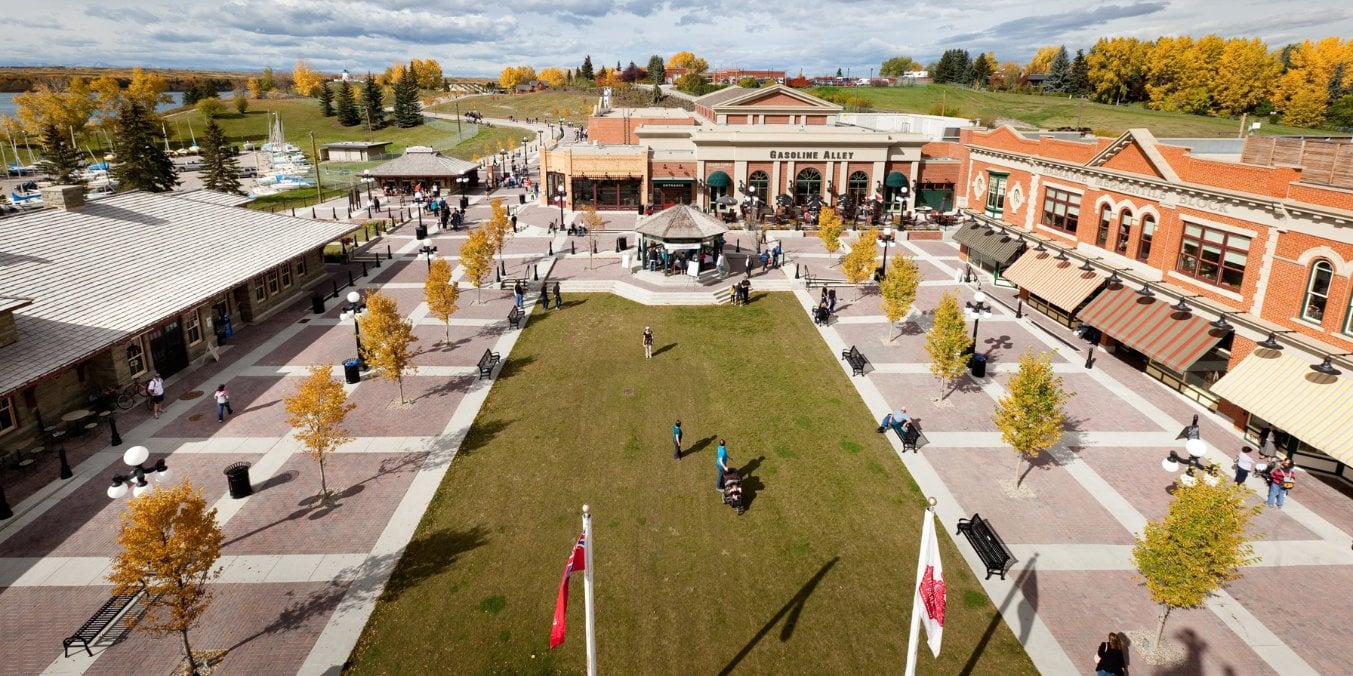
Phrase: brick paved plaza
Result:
[299,581]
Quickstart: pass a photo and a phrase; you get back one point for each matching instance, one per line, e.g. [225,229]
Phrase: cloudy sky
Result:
[478,38]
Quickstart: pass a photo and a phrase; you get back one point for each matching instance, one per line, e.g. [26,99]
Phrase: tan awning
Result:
[1283,390]
[1061,283]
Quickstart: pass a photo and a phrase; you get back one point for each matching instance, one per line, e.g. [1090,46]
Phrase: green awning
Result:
[718,179]
[895,180]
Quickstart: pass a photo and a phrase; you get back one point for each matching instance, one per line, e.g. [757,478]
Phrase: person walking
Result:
[519,291]
[155,388]
[721,460]
[1281,480]
[222,403]
[676,440]
[1110,659]
[1244,465]
[648,344]
[831,301]
[558,300]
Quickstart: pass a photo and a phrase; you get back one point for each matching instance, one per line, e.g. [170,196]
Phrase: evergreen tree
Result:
[373,103]
[60,161]
[954,66]
[585,72]
[838,72]
[1059,73]
[657,70]
[326,99]
[980,73]
[138,145]
[1080,74]
[347,107]
[408,111]
[220,169]
[191,94]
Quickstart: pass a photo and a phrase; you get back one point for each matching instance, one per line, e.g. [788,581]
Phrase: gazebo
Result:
[681,229]
[425,166]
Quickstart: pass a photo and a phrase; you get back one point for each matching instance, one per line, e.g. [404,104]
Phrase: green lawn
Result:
[815,578]
[1050,112]
[572,105]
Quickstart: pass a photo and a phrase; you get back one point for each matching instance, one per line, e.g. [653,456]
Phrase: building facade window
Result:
[284,270]
[759,182]
[1213,256]
[273,286]
[192,327]
[8,421]
[995,194]
[1102,229]
[300,266]
[260,288]
[136,357]
[1061,209]
[1125,221]
[1148,231]
[1317,291]
[806,184]
[857,185]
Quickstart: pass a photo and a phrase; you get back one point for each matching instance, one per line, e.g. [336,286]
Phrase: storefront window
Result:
[192,327]
[607,193]
[858,187]
[136,357]
[808,182]
[995,194]
[1317,292]
[760,183]
[1214,256]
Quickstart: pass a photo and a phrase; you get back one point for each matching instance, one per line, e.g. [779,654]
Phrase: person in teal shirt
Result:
[722,461]
[676,440]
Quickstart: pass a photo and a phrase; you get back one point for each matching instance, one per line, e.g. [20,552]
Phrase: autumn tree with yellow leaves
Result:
[555,77]
[441,294]
[691,62]
[476,258]
[947,343]
[898,289]
[829,229]
[316,412]
[859,265]
[1031,414]
[170,543]
[306,80]
[387,339]
[515,75]
[594,223]
[499,225]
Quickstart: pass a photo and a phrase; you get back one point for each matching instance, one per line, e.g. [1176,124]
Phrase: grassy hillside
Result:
[572,105]
[1048,111]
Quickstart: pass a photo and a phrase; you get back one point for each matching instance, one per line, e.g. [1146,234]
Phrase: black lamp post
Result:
[887,238]
[355,308]
[560,195]
[428,250]
[1192,458]
[136,457]
[977,308]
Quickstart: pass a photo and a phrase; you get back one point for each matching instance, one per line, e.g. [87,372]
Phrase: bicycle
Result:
[129,394]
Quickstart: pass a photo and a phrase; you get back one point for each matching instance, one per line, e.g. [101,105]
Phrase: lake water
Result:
[7,106]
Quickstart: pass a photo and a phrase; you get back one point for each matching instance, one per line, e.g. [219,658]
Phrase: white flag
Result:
[930,594]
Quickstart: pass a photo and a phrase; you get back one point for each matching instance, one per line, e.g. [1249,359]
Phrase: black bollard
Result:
[351,281]
[293,212]
[312,213]
[115,439]
[335,287]
[551,253]
[363,268]
[535,273]
[572,247]
[1019,309]
[737,246]
[796,271]
[389,253]
[497,278]
[1090,358]
[65,472]
[335,212]
[5,511]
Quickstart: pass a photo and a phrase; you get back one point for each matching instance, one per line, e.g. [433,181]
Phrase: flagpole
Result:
[587,594]
[914,634]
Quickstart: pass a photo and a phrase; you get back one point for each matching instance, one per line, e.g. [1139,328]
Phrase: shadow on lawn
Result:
[792,609]
[1027,582]
[751,485]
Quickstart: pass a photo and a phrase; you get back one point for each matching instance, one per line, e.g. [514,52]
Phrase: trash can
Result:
[351,373]
[521,199]
[622,243]
[979,365]
[641,209]
[317,303]
[420,232]
[237,476]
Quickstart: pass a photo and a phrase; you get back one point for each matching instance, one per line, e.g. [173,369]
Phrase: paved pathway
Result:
[299,581]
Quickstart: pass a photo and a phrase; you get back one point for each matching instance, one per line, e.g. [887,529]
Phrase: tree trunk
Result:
[1019,462]
[400,380]
[323,485]
[448,330]
[188,652]
[1160,626]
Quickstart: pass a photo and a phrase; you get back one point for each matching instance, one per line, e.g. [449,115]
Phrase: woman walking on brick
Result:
[222,403]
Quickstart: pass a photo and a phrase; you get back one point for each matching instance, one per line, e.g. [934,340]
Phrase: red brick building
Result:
[1262,240]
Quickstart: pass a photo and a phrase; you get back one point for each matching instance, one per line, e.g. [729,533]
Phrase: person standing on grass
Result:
[721,460]
[155,389]
[676,440]
[558,300]
[222,403]
[1244,465]
[648,344]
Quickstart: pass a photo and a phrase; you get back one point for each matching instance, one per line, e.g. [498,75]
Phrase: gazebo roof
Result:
[681,222]
[422,161]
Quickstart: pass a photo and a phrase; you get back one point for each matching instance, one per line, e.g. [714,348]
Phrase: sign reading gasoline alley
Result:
[811,155]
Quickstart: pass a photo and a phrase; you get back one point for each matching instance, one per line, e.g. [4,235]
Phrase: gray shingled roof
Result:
[224,199]
[100,275]
[681,222]
[422,161]
[726,94]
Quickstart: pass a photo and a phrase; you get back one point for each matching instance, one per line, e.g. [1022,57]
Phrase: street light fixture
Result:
[559,195]
[428,252]
[355,308]
[1192,458]
[978,309]
[886,239]
[136,457]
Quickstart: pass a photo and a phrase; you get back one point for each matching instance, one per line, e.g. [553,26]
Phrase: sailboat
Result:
[193,149]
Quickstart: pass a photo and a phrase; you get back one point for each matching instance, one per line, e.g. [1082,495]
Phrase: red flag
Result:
[931,588]
[577,560]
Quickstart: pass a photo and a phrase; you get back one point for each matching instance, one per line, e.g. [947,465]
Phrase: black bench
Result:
[855,359]
[487,362]
[514,317]
[910,434]
[97,623]
[994,554]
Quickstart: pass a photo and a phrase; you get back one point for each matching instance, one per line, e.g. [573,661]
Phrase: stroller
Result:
[732,490]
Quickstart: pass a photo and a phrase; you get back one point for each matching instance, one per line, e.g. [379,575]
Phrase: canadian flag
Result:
[930,593]
[577,560]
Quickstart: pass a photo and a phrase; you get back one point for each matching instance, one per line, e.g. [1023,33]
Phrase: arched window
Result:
[1148,231]
[1102,232]
[1125,221]
[808,182]
[858,186]
[1317,291]
[760,183]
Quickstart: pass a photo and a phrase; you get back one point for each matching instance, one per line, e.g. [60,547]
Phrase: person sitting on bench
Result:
[898,420]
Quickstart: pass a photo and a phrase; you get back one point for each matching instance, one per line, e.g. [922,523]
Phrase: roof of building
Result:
[681,222]
[101,275]
[648,112]
[223,199]
[356,144]
[12,304]
[423,161]
[725,94]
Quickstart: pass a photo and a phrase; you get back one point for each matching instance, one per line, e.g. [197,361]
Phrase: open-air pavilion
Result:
[681,230]
[421,165]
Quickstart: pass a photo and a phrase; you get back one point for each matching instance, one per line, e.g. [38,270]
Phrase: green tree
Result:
[693,83]
[348,116]
[657,70]
[1030,415]
[1196,548]
[266,83]
[326,99]
[947,343]
[407,110]
[1059,72]
[373,102]
[142,163]
[316,411]
[829,229]
[441,294]
[1080,74]
[897,66]
[60,162]
[860,263]
[983,67]
[241,102]
[898,290]
[1341,113]
[954,67]
[169,543]
[220,169]
[387,339]
[210,107]
[585,71]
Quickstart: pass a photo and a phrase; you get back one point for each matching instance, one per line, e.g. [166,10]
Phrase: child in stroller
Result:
[732,490]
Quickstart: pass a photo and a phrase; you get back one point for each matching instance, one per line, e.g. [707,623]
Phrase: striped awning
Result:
[994,245]
[1061,283]
[1283,390]
[1150,326]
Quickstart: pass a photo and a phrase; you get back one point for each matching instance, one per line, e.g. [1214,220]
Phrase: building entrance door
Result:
[167,349]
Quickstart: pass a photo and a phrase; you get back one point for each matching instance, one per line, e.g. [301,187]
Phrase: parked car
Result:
[248,172]
[189,165]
